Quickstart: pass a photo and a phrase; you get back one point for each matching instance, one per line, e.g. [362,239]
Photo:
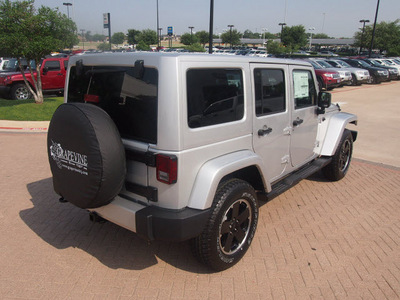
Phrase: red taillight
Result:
[167,168]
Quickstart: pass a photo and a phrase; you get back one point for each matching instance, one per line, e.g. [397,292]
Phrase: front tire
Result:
[20,92]
[354,80]
[231,227]
[340,163]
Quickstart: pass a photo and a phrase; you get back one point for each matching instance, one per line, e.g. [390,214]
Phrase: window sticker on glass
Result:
[300,84]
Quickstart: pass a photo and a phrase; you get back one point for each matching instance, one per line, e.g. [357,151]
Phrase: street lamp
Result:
[158,29]
[83,38]
[281,24]
[373,31]
[211,30]
[264,30]
[191,34]
[67,4]
[311,32]
[230,33]
[362,33]
[160,37]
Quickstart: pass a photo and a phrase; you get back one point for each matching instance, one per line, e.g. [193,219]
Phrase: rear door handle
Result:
[297,122]
[264,131]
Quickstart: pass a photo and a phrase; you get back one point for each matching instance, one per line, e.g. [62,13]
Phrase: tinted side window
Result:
[214,96]
[304,89]
[52,65]
[270,91]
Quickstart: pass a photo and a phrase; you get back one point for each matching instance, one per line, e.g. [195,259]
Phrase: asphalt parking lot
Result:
[319,240]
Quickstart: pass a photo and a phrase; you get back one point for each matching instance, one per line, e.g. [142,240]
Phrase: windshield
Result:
[375,63]
[130,100]
[389,62]
[324,64]
[315,65]
[363,63]
[343,64]
[12,65]
[334,63]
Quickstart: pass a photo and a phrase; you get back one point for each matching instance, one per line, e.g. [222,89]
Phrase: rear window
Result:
[214,96]
[130,101]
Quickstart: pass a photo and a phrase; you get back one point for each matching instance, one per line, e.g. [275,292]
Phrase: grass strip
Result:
[28,110]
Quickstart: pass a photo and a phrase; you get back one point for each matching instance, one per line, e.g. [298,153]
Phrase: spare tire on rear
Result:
[86,155]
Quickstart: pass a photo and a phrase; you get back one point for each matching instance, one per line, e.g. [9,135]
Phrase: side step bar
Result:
[294,178]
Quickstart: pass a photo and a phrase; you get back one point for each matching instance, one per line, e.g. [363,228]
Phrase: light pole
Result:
[362,33]
[158,29]
[191,34]
[373,31]
[83,38]
[264,30]
[281,24]
[230,33]
[160,37]
[323,23]
[311,32]
[67,4]
[210,36]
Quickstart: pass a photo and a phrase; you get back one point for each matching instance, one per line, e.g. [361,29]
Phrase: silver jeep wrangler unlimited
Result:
[180,146]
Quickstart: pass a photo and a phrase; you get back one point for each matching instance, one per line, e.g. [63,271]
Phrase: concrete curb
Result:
[24,126]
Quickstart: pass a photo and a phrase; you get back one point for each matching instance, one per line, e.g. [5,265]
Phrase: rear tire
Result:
[340,163]
[354,80]
[231,227]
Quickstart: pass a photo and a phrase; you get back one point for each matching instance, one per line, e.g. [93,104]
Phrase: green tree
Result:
[103,46]
[188,39]
[294,37]
[118,38]
[231,37]
[32,34]
[98,38]
[195,48]
[321,36]
[387,38]
[203,37]
[148,36]
[133,35]
[142,46]
[276,48]
[248,34]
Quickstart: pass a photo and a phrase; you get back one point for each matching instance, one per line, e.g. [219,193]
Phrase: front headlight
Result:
[328,75]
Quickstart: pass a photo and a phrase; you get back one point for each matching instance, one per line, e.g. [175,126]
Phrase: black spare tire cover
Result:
[86,155]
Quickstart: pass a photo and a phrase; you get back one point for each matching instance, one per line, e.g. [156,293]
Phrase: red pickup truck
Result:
[52,72]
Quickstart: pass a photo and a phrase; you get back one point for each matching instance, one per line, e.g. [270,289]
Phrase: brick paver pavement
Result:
[319,240]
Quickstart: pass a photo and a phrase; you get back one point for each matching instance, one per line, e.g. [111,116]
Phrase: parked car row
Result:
[244,52]
[334,72]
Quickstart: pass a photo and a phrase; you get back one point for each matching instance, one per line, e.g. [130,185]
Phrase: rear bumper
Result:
[154,223]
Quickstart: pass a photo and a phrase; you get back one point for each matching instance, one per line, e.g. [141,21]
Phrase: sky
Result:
[336,18]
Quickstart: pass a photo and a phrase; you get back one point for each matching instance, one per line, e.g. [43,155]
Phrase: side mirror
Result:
[45,70]
[324,101]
